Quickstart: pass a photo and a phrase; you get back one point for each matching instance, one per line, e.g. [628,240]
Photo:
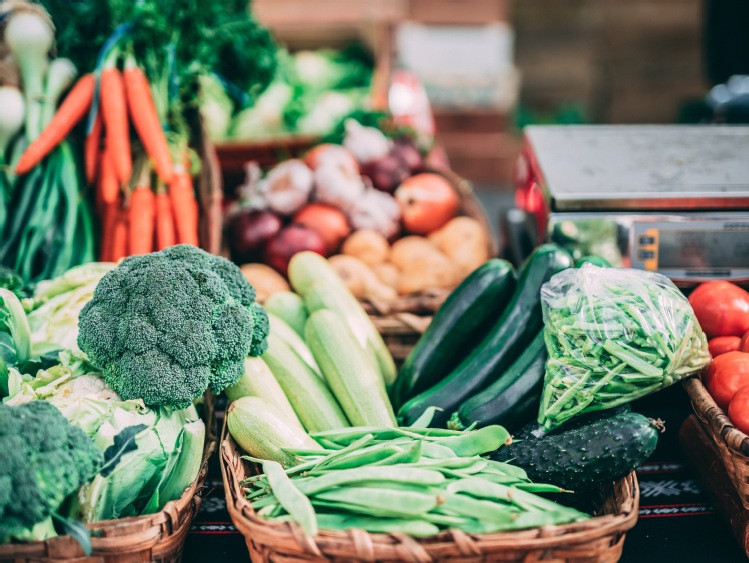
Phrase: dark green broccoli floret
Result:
[45,459]
[164,327]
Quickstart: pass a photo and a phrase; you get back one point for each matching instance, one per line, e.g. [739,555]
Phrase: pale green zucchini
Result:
[289,307]
[344,364]
[308,393]
[321,288]
[280,328]
[258,381]
[264,432]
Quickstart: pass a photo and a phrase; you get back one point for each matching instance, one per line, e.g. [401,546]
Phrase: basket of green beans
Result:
[412,493]
[613,336]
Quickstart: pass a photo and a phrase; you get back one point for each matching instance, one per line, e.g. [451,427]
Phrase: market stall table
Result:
[676,521]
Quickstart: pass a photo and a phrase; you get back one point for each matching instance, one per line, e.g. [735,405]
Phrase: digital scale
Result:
[670,199]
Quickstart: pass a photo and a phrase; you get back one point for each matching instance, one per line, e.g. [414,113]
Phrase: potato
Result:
[432,270]
[388,273]
[465,242]
[368,246]
[264,279]
[360,279]
[407,250]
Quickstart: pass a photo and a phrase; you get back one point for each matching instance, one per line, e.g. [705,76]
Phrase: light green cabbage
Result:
[168,449]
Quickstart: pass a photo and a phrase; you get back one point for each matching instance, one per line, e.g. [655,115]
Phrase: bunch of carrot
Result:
[139,213]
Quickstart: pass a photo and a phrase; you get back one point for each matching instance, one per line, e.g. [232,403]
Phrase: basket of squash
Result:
[400,231]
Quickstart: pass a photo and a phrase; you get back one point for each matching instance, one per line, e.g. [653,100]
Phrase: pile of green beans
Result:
[613,336]
[414,480]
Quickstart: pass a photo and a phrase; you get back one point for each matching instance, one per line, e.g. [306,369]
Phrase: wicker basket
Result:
[156,537]
[598,540]
[731,444]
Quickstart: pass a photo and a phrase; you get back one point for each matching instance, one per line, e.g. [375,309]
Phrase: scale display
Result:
[699,249]
[703,249]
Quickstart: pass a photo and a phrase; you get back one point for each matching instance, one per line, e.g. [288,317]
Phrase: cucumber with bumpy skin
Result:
[588,456]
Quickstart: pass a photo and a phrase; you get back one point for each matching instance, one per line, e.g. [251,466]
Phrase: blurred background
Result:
[489,67]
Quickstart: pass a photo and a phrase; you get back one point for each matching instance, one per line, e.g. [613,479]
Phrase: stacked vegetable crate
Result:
[154,537]
[599,539]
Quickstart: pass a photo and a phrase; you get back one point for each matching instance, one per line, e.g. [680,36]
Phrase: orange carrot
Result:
[119,237]
[184,208]
[108,185]
[92,150]
[108,226]
[70,112]
[114,113]
[142,214]
[142,111]
[165,236]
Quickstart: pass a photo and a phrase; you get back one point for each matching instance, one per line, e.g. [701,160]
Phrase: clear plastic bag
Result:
[613,336]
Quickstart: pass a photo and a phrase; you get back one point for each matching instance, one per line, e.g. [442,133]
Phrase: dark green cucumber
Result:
[513,331]
[513,398]
[533,430]
[467,314]
[599,261]
[587,457]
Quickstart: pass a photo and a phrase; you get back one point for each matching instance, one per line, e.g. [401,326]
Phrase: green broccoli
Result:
[165,326]
[45,459]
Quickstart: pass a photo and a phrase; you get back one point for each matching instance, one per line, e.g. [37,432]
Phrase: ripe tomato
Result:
[722,308]
[744,344]
[738,410]
[726,375]
[722,344]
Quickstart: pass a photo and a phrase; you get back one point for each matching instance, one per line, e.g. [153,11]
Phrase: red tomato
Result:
[726,375]
[722,344]
[722,308]
[744,344]
[738,410]
[427,202]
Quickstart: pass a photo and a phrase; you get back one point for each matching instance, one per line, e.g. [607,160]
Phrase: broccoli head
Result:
[45,459]
[163,327]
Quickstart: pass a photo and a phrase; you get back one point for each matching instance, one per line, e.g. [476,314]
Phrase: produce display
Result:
[121,434]
[389,227]
[722,309]
[125,135]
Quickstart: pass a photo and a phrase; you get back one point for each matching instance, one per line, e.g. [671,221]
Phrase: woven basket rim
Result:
[708,411]
[344,544]
[134,533]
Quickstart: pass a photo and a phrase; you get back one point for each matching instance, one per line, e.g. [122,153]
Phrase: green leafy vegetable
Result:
[165,326]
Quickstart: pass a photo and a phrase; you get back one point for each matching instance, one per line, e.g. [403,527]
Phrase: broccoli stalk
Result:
[163,327]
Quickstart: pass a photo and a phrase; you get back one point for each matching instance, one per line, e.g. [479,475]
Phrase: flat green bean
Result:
[290,498]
